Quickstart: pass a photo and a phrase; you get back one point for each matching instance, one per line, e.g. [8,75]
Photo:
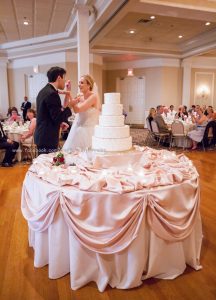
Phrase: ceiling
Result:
[44,18]
[52,27]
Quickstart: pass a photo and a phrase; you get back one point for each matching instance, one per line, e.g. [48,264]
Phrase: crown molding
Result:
[34,50]
[145,63]
[200,62]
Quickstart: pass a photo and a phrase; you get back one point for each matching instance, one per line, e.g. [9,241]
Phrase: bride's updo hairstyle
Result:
[89,80]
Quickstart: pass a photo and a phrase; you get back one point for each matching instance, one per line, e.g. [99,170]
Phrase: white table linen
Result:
[115,236]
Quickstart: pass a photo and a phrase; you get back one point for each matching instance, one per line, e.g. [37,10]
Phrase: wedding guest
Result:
[24,107]
[172,112]
[10,147]
[162,126]
[197,135]
[180,114]
[151,115]
[210,113]
[14,116]
[27,137]
[50,113]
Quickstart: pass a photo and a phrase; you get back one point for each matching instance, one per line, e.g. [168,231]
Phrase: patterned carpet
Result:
[138,136]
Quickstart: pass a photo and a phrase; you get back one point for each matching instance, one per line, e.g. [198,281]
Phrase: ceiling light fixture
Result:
[130,72]
[207,23]
[180,36]
[132,31]
[152,17]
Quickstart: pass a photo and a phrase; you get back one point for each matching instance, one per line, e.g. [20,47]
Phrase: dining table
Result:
[113,218]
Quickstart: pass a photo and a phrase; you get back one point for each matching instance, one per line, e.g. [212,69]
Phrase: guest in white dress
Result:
[28,136]
[197,135]
[87,116]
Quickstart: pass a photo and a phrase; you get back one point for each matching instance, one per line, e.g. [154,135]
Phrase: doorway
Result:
[132,90]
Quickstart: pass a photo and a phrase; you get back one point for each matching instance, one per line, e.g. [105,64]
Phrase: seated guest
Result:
[10,147]
[210,113]
[14,116]
[197,135]
[151,115]
[27,137]
[165,114]
[182,112]
[172,112]
[162,126]
[185,112]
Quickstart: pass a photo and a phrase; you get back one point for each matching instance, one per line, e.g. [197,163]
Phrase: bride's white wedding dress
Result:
[82,130]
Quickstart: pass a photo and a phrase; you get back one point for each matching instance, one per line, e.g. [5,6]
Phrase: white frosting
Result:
[111,121]
[122,144]
[110,132]
[112,98]
[112,109]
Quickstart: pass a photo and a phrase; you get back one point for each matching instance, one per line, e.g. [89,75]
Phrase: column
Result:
[186,88]
[4,99]
[82,39]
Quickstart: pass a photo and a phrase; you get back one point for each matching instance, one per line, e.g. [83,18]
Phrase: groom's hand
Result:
[64,126]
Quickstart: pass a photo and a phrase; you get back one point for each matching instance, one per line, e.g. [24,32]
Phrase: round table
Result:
[114,224]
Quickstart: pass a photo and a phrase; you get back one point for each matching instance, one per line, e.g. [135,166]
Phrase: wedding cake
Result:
[111,134]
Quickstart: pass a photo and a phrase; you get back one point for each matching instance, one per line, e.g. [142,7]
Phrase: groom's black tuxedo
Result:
[50,115]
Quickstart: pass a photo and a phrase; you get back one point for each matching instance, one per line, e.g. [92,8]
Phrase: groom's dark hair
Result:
[54,72]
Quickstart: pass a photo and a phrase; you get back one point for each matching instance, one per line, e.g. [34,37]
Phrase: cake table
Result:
[114,219]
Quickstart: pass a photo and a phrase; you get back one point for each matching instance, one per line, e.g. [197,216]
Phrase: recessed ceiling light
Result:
[180,36]
[152,17]
[132,31]
[207,23]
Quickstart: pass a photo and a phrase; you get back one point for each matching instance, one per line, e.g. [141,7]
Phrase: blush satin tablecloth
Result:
[113,238]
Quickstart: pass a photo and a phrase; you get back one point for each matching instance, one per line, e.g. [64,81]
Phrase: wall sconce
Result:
[130,72]
[203,91]
[36,69]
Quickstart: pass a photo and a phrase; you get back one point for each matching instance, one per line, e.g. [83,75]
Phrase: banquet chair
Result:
[209,137]
[150,135]
[161,137]
[32,148]
[177,131]
[2,153]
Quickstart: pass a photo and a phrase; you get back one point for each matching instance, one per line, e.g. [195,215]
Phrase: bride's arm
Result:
[83,106]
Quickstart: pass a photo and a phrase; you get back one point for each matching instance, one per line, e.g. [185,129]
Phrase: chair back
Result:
[177,128]
[210,132]
[148,124]
[154,126]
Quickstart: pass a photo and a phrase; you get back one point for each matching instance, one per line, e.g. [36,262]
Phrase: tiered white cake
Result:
[111,134]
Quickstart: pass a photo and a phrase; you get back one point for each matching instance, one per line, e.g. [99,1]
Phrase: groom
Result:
[50,113]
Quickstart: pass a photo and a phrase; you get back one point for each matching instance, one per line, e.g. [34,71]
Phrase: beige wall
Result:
[163,84]
[72,74]
[192,93]
[97,73]
[18,85]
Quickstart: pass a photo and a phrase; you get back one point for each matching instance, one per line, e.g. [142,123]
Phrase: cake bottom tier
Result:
[121,144]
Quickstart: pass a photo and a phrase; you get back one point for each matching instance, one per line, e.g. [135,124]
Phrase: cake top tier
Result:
[112,98]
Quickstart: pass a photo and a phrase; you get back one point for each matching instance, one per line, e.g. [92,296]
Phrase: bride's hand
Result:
[75,101]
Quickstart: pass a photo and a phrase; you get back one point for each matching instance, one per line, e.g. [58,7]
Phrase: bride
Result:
[87,115]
